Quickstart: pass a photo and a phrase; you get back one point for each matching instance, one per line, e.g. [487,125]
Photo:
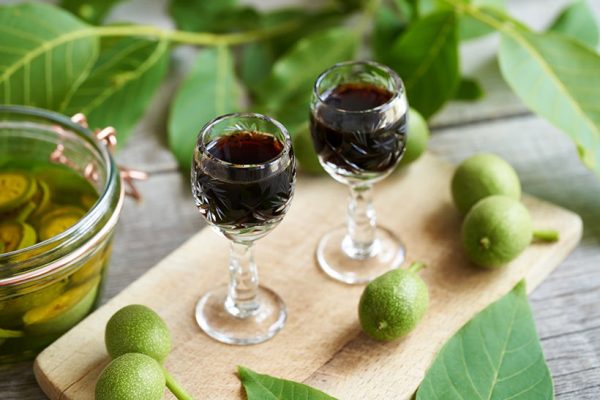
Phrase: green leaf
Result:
[409,9]
[426,58]
[265,387]
[292,112]
[469,27]
[121,84]
[495,356]
[577,20]
[200,15]
[388,26]
[208,91]
[256,62]
[92,11]
[468,90]
[45,54]
[557,77]
[299,67]
[305,23]
[258,58]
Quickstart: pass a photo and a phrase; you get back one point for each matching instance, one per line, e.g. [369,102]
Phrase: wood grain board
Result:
[321,344]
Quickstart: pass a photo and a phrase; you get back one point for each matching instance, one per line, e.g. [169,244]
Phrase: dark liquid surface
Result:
[356,143]
[246,198]
[246,148]
[358,96]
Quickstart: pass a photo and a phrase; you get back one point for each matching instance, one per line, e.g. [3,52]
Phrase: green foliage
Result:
[468,90]
[409,9]
[388,26]
[286,93]
[41,65]
[304,22]
[256,63]
[577,21]
[125,77]
[558,87]
[265,387]
[469,27]
[208,91]
[282,52]
[258,58]
[496,355]
[426,57]
[299,67]
[92,11]
[200,15]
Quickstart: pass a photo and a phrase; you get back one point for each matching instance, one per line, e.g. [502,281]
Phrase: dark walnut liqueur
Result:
[247,198]
[362,147]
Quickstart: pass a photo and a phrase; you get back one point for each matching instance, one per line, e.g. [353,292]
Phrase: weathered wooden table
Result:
[566,306]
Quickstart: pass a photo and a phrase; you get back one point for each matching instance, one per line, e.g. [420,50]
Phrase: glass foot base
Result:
[258,327]
[335,258]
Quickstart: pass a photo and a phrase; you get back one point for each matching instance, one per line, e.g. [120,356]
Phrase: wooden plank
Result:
[341,360]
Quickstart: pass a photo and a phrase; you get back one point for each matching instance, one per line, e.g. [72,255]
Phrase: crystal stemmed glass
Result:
[358,116]
[243,178]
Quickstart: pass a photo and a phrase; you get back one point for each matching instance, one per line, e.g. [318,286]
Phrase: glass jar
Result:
[47,288]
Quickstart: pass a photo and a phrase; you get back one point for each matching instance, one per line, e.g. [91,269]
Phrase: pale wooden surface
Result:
[322,342]
[567,304]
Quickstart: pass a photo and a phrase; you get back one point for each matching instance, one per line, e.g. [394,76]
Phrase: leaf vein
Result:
[107,93]
[464,361]
[503,352]
[528,388]
[559,84]
[43,48]
[505,378]
[450,379]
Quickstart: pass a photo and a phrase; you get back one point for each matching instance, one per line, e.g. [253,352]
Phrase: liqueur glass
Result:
[243,179]
[358,121]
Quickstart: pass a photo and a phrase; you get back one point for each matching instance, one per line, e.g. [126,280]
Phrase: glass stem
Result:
[243,282]
[360,241]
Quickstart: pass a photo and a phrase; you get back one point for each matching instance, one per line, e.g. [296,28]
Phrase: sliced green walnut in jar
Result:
[58,220]
[15,235]
[13,307]
[32,208]
[41,199]
[92,267]
[62,312]
[16,188]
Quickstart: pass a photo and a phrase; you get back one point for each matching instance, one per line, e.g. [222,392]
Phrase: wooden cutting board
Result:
[322,343]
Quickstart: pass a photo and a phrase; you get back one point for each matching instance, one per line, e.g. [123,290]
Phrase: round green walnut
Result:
[393,304]
[480,176]
[137,329]
[132,376]
[417,138]
[496,230]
